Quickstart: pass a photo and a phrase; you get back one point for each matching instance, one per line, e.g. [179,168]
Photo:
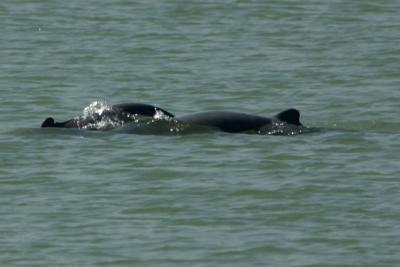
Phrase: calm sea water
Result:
[76,198]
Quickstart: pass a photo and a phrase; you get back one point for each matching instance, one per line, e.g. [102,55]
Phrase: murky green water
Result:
[76,198]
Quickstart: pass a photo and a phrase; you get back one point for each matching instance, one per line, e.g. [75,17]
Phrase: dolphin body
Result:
[231,122]
[236,122]
[119,112]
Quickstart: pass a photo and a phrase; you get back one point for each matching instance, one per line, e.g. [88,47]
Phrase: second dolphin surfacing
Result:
[236,122]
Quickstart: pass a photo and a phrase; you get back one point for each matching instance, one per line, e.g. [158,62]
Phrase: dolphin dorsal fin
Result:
[291,116]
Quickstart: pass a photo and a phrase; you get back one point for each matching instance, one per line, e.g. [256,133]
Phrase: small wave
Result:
[282,128]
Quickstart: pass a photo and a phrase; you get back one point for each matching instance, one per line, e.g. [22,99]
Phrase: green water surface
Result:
[81,198]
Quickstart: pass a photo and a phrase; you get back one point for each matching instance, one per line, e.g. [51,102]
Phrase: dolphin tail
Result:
[49,122]
[291,116]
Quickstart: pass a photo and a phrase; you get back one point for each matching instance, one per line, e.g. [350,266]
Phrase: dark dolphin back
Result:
[130,108]
[49,122]
[231,122]
[291,116]
[141,109]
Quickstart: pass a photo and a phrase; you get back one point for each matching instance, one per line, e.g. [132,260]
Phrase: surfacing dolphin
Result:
[120,112]
[236,122]
[231,122]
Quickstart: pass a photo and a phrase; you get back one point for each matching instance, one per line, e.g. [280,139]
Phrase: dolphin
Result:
[119,111]
[236,122]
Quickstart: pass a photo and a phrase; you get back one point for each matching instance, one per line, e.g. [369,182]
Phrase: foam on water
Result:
[282,128]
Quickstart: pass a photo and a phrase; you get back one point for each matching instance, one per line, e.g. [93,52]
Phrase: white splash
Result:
[95,109]
[98,116]
[280,128]
[159,115]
